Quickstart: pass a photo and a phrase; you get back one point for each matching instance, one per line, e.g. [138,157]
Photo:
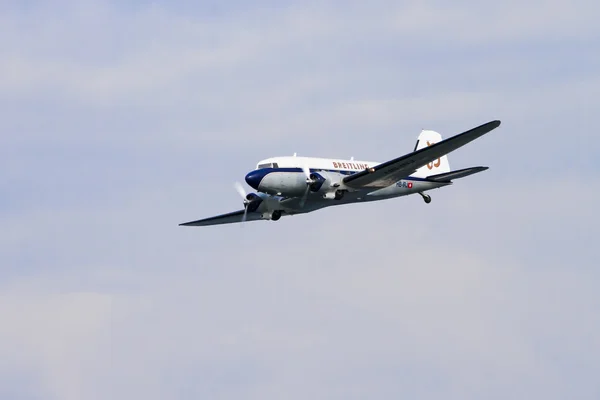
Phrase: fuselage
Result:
[284,181]
[278,175]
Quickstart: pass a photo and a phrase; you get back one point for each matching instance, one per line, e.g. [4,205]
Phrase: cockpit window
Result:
[270,165]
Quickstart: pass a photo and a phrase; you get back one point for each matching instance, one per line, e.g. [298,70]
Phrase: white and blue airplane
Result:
[297,185]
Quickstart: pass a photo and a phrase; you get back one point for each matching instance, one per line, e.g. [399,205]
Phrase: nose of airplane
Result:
[254,177]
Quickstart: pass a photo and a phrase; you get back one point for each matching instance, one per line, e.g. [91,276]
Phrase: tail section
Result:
[439,166]
[461,173]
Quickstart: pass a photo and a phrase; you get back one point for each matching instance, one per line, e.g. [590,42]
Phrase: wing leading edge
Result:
[390,172]
[229,218]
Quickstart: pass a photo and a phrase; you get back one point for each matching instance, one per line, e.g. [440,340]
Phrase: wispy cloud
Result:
[121,121]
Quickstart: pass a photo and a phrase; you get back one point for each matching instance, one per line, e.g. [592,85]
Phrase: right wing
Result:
[229,218]
[390,172]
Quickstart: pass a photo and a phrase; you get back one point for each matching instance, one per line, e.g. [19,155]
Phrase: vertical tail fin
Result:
[441,165]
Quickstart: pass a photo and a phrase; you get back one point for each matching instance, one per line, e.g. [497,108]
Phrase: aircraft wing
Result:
[229,218]
[390,172]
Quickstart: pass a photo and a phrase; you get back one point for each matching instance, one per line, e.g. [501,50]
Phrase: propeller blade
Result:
[245,214]
[240,190]
[306,171]
[304,197]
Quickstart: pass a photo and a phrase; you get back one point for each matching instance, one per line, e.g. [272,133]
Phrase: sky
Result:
[120,120]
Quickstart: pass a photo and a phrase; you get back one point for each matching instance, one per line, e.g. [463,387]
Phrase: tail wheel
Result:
[426,197]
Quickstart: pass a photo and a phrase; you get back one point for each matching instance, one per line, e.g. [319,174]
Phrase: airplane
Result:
[296,185]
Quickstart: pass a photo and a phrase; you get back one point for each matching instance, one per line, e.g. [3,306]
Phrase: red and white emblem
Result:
[410,185]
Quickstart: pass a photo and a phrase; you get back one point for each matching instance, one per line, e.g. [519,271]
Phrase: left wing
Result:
[229,218]
[390,172]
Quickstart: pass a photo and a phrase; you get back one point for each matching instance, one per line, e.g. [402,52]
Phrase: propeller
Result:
[309,181]
[240,189]
[242,192]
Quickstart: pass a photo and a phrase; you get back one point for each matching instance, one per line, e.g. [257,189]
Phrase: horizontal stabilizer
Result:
[461,173]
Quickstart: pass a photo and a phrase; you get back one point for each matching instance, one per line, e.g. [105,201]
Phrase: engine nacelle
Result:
[318,182]
[252,202]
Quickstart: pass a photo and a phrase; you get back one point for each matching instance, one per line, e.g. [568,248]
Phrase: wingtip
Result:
[489,126]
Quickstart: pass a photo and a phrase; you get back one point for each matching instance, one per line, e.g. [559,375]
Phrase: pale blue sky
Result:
[119,121]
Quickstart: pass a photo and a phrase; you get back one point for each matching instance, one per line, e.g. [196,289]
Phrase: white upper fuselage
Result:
[313,163]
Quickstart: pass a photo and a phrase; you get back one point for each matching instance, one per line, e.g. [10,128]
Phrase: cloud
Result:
[123,122]
[337,309]
[53,337]
[476,24]
[154,48]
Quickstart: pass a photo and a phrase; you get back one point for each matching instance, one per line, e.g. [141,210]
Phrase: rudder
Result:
[439,166]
